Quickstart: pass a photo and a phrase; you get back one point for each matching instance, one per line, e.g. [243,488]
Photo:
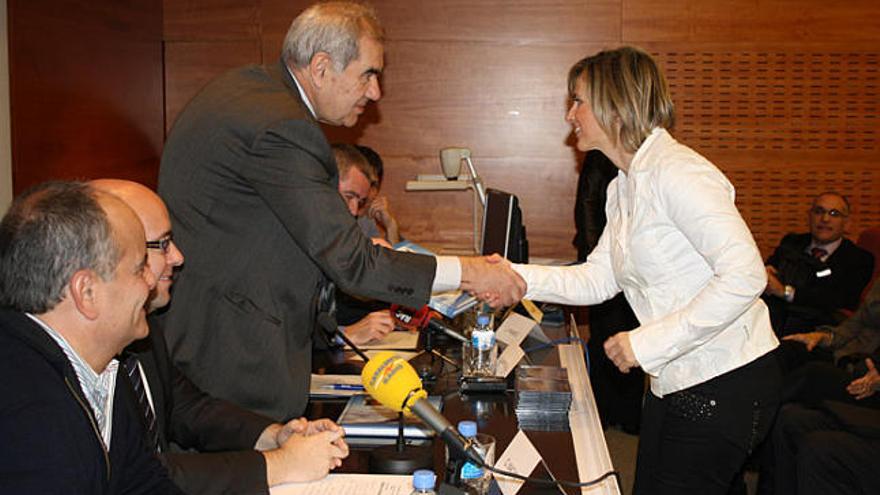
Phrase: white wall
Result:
[5,140]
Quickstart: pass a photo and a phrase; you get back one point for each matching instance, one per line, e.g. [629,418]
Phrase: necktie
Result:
[818,253]
[134,375]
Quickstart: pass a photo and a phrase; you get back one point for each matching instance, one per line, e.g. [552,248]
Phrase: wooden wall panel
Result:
[738,21]
[782,95]
[774,201]
[214,20]
[86,89]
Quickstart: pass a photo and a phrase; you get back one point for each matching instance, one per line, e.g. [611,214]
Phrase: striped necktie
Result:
[149,417]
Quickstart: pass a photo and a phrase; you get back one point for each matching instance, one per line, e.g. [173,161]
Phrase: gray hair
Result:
[334,28]
[50,232]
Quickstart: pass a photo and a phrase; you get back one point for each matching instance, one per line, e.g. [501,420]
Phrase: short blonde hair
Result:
[628,94]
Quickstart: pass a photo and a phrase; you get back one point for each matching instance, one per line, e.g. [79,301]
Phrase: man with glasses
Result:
[813,275]
[73,285]
[239,451]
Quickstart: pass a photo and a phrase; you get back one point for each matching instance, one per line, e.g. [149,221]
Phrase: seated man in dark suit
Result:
[73,284]
[245,452]
[827,450]
[853,375]
[362,320]
[823,432]
[813,275]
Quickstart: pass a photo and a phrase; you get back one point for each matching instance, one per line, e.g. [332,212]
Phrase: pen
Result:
[343,386]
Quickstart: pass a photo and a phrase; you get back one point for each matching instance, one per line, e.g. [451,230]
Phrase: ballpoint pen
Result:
[343,386]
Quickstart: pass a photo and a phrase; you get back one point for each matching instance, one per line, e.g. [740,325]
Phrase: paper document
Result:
[508,360]
[520,457]
[514,329]
[349,484]
[394,340]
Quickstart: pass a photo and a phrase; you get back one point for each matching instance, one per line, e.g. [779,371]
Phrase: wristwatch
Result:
[788,293]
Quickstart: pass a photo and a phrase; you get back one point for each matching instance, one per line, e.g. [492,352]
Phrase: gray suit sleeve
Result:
[287,171]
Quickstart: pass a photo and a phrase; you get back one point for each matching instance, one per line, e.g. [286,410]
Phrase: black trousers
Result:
[618,395]
[696,440]
[815,455]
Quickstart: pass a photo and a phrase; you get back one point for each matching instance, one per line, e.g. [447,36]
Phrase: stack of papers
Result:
[543,398]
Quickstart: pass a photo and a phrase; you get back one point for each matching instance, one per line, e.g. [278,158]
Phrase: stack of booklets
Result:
[543,398]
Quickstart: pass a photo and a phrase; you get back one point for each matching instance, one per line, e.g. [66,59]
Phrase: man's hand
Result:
[302,426]
[268,439]
[774,286]
[620,352]
[811,339]
[491,279]
[381,213]
[305,457]
[864,387]
[378,241]
[374,326]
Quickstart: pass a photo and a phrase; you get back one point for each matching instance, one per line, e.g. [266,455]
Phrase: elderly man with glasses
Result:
[812,276]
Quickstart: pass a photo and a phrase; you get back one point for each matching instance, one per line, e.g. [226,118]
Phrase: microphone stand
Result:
[428,348]
[399,458]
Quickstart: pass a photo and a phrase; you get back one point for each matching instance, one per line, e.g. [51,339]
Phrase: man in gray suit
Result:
[251,185]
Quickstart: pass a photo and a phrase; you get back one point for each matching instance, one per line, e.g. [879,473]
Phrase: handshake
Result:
[492,280]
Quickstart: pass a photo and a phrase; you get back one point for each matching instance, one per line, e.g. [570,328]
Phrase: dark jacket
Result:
[50,440]
[223,433]
[818,294]
[252,188]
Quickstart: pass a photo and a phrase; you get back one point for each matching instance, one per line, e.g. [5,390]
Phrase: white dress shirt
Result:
[99,388]
[677,247]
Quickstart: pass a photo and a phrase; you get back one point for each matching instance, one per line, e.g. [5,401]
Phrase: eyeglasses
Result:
[833,212]
[164,243]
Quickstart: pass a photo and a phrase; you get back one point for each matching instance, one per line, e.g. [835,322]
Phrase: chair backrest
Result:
[869,240]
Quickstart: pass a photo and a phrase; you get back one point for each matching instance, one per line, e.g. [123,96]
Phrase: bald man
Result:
[73,284]
[248,452]
[813,275]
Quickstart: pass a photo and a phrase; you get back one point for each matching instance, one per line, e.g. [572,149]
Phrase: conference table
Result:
[580,454]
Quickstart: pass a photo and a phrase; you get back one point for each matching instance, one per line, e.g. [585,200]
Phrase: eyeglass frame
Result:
[163,244]
[833,212]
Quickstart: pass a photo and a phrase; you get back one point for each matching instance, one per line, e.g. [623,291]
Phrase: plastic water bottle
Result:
[471,474]
[484,347]
[423,482]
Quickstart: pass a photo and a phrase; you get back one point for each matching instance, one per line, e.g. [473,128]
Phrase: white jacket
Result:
[685,259]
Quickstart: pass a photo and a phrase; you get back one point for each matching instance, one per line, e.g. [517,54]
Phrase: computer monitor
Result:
[503,230]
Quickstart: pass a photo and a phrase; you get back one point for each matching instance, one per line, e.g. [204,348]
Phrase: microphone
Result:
[328,323]
[393,382]
[423,318]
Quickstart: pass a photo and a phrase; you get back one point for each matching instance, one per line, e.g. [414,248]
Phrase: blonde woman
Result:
[679,250]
